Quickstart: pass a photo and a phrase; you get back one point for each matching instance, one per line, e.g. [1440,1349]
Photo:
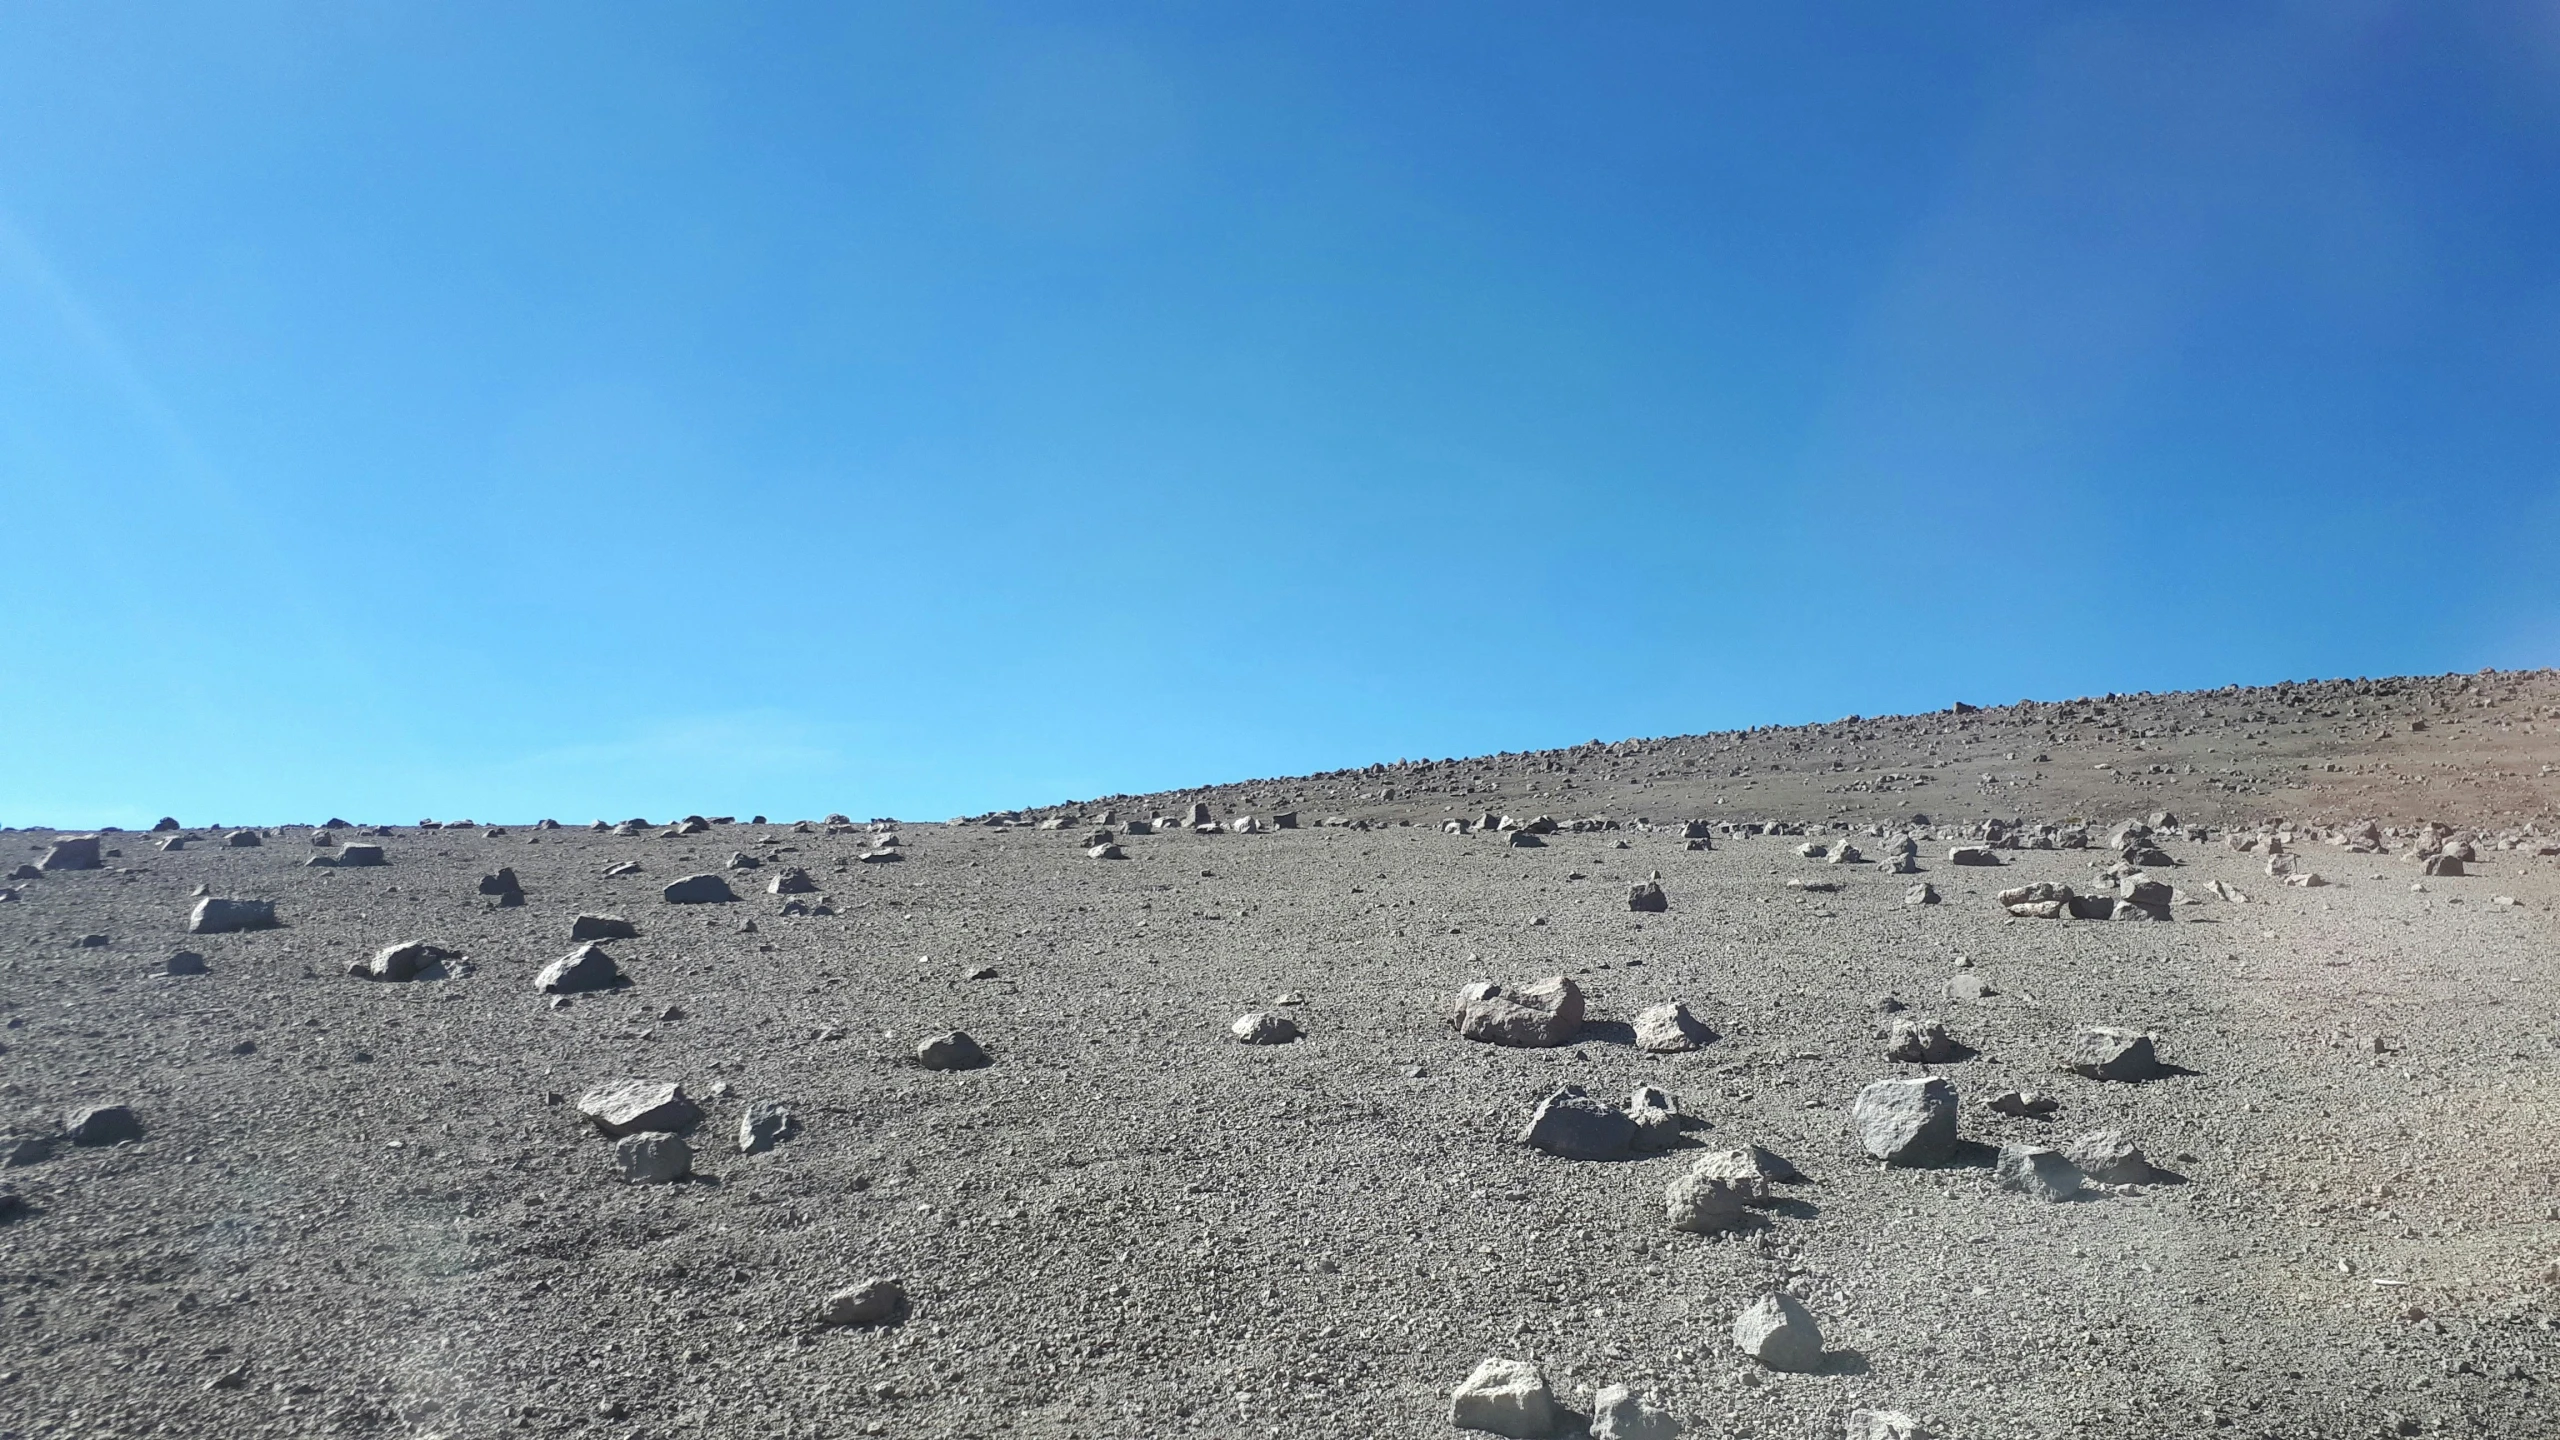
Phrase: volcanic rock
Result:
[1264,1027]
[1669,1028]
[699,890]
[953,1050]
[625,1107]
[1504,1397]
[586,968]
[1907,1122]
[2103,1052]
[873,1302]
[1780,1333]
[1575,1126]
[652,1159]
[217,916]
[602,927]
[71,852]
[2108,1157]
[1536,1016]
[102,1125]
[2037,1170]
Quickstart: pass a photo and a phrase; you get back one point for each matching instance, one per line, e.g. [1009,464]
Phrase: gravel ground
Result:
[371,1208]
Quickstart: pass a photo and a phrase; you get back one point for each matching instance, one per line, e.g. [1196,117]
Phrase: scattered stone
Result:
[1702,1202]
[764,1125]
[1538,1016]
[873,1302]
[1780,1333]
[741,860]
[1574,1126]
[242,840]
[699,890]
[1265,1027]
[24,1148]
[1752,1162]
[1922,893]
[1885,1425]
[1973,855]
[185,962]
[217,916]
[2024,1104]
[1618,1413]
[94,942]
[1919,1040]
[2445,864]
[1669,1029]
[652,1159]
[2038,1170]
[586,968]
[1504,1397]
[357,856]
[1907,1122]
[951,1051]
[791,880]
[71,852]
[1969,985]
[627,867]
[1656,1116]
[2109,1158]
[102,1125]
[1106,851]
[2103,1052]
[626,1107]
[1645,897]
[602,927]
[402,962]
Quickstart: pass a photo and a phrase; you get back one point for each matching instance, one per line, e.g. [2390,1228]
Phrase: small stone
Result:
[1669,1028]
[586,968]
[1574,1126]
[1538,1016]
[873,1302]
[627,867]
[217,916]
[741,860]
[358,857]
[1884,1425]
[242,840]
[981,972]
[2109,1158]
[2038,1170]
[951,1051]
[402,962]
[505,886]
[1703,1203]
[1922,893]
[699,890]
[1264,1027]
[1645,897]
[1908,1121]
[763,1125]
[1967,985]
[1618,1413]
[624,1107]
[2103,1052]
[791,880]
[2024,1104]
[1780,1333]
[652,1159]
[1106,851]
[1656,1116]
[1973,855]
[102,1125]
[602,927]
[1920,1041]
[1504,1397]
[185,962]
[25,1149]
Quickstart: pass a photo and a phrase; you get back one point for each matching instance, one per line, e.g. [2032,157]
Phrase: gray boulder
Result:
[102,1125]
[602,927]
[699,890]
[1780,1333]
[2038,1170]
[402,961]
[1264,1027]
[791,880]
[879,1301]
[1918,1040]
[2108,1157]
[1618,1413]
[1669,1028]
[586,968]
[953,1050]
[1907,1122]
[1656,1116]
[652,1159]
[1539,1016]
[242,840]
[1973,855]
[358,857]
[1922,893]
[184,962]
[71,852]
[763,1125]
[627,1107]
[1754,1163]
[214,915]
[1504,1397]
[1884,1425]
[1645,897]
[1575,1126]
[2104,1052]
[504,885]
[1701,1203]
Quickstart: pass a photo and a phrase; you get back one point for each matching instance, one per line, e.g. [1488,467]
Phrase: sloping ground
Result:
[2475,751]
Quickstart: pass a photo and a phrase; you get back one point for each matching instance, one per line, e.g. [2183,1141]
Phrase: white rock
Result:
[1780,1333]
[1504,1397]
[1618,1413]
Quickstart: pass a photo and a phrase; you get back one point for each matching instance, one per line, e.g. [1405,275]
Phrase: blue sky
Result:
[520,410]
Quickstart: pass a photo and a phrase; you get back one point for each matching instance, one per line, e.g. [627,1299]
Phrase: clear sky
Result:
[531,409]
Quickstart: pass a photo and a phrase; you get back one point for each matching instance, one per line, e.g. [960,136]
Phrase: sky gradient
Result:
[583,411]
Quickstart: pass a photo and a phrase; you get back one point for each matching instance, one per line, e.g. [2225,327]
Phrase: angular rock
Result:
[1645,897]
[1575,1126]
[588,967]
[699,890]
[185,962]
[505,886]
[1968,985]
[602,927]
[402,961]
[652,1159]
[1973,855]
[1699,1203]
[2437,865]
[1669,1029]
[627,1107]
[880,1301]
[2024,1104]
[1656,1116]
[242,840]
[1919,1040]
[1751,1162]
[2038,1170]
[217,916]
[2109,1158]
[791,880]
[102,1125]
[2039,891]
[1780,1333]
[1537,1016]
[741,860]
[1106,851]
[357,857]
[1907,1122]
[71,852]
[1504,1397]
[763,1125]
[1885,1425]
[1618,1413]
[1264,1027]
[953,1050]
[2103,1052]
[2143,890]
[1922,893]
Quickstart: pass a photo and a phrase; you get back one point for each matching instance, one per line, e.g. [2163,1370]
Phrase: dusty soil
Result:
[370,1208]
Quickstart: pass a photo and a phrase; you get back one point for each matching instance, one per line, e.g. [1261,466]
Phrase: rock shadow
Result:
[1844,1362]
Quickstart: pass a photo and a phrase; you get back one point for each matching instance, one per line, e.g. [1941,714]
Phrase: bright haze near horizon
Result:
[528,410]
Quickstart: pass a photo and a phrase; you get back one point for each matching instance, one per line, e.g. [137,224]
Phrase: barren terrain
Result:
[371,1207]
